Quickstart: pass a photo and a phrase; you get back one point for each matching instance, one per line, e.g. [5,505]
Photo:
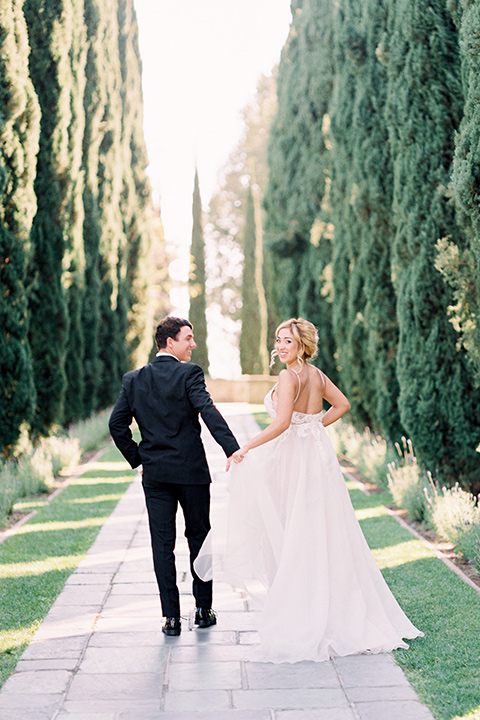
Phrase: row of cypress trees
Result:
[76,223]
[373,214]
[238,272]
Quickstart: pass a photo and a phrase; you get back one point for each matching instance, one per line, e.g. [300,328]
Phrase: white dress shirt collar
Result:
[160,353]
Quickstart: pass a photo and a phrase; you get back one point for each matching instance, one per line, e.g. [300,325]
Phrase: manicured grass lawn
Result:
[444,666]
[37,560]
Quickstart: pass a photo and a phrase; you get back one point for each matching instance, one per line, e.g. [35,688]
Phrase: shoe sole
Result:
[205,623]
[171,632]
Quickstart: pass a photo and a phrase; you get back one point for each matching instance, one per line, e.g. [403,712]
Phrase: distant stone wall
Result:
[248,388]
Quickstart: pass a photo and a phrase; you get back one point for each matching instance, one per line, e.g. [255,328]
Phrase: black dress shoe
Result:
[172,626]
[204,617]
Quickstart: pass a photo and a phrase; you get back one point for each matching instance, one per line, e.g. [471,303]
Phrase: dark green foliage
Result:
[315,301]
[19,133]
[348,267]
[142,231]
[73,161]
[74,407]
[250,356]
[462,268]
[104,238]
[196,281]
[438,404]
[298,216]
[363,218]
[48,321]
[50,42]
[17,390]
[365,302]
[73,85]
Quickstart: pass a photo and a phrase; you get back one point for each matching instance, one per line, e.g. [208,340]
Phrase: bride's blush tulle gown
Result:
[292,531]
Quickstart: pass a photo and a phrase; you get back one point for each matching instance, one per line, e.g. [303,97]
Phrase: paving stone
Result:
[133,623]
[370,671]
[387,692]
[24,714]
[318,714]
[134,659]
[125,639]
[203,700]
[118,686]
[285,675]
[206,676]
[144,588]
[394,710]
[214,715]
[92,595]
[207,653]
[73,613]
[132,577]
[28,703]
[290,698]
[48,664]
[78,578]
[238,621]
[87,706]
[131,605]
[64,647]
[89,716]
[36,682]
[249,637]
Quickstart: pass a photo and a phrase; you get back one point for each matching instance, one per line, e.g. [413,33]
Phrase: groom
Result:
[166,397]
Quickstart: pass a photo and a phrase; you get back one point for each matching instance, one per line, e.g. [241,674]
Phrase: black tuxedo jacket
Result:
[166,397]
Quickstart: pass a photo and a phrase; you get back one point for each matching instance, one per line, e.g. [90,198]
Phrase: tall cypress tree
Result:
[298,229]
[19,133]
[226,217]
[462,268]
[438,404]
[104,309]
[349,320]
[47,22]
[196,282]
[73,82]
[250,337]
[94,110]
[141,228]
[365,302]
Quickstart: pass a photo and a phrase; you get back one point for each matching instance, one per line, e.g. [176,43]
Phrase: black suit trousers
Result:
[162,501]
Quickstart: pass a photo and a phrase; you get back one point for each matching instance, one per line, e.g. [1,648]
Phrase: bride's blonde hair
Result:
[305,333]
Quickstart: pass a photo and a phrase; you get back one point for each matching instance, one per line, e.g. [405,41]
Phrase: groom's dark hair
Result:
[169,327]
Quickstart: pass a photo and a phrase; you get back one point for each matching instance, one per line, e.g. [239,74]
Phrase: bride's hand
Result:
[237,456]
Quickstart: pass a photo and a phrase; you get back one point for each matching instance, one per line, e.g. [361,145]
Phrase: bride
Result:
[292,528]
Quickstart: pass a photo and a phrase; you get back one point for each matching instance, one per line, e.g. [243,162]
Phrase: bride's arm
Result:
[285,393]
[339,403]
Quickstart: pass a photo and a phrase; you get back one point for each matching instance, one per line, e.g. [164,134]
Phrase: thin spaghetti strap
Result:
[299,385]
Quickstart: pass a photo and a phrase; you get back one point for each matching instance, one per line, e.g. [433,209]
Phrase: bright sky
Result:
[201,63]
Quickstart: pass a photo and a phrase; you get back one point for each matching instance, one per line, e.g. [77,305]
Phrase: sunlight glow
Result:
[11,639]
[38,567]
[400,554]
[62,524]
[365,513]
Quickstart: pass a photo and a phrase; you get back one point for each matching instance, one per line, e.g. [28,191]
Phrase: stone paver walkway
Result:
[100,653]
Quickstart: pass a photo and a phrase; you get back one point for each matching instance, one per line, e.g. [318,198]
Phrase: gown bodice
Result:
[298,418]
